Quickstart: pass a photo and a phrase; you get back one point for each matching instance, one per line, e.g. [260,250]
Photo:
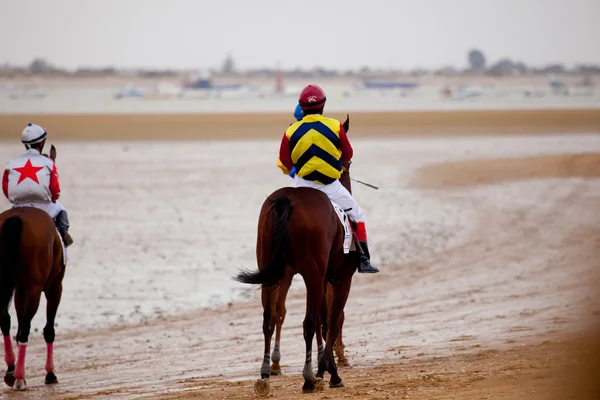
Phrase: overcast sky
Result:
[329,33]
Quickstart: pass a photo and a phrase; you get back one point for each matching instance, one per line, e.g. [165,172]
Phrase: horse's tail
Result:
[10,240]
[273,272]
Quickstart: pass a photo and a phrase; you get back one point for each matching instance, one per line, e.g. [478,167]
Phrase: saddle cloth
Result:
[345,221]
[64,249]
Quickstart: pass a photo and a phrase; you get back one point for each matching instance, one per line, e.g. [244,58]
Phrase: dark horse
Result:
[280,310]
[31,262]
[299,228]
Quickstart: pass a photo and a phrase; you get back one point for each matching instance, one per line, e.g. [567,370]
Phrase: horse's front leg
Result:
[339,346]
[9,354]
[340,296]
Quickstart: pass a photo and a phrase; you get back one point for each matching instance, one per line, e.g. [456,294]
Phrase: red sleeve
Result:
[285,156]
[5,183]
[346,147]
[54,184]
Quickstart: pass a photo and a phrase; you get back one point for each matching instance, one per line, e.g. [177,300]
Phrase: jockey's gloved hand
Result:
[298,113]
[293,171]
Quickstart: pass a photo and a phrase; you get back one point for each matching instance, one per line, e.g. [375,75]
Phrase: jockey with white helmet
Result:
[31,180]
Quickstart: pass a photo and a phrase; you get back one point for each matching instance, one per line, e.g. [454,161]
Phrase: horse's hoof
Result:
[9,379]
[309,387]
[275,369]
[262,387]
[20,384]
[320,384]
[51,379]
[332,385]
[342,360]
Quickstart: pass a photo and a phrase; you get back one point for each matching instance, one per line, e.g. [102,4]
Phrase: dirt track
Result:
[494,348]
[541,361]
[512,312]
[561,369]
[252,126]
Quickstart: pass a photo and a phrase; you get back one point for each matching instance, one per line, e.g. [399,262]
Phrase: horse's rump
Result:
[39,241]
[314,227]
[294,224]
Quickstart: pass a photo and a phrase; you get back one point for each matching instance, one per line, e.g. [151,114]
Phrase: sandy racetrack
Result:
[506,308]
[269,125]
[538,359]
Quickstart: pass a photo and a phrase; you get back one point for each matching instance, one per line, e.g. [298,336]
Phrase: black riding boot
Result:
[365,266]
[62,223]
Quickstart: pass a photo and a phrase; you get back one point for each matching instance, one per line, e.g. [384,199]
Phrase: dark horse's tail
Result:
[10,240]
[272,273]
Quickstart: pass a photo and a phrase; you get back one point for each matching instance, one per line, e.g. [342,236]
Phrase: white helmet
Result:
[33,134]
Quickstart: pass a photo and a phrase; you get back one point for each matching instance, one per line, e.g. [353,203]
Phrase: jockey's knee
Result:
[357,215]
[359,219]
[57,209]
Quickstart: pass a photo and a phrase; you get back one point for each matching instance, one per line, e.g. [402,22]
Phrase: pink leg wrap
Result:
[49,358]
[9,355]
[20,370]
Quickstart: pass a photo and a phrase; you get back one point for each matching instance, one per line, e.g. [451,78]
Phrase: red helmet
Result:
[312,97]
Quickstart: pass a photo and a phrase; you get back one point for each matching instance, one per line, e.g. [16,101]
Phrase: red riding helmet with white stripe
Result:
[312,97]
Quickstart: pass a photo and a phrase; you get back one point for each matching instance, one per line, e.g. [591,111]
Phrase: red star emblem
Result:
[28,171]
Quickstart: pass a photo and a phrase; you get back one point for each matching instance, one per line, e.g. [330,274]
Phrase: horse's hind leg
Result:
[280,313]
[321,331]
[26,303]
[9,355]
[261,386]
[53,295]
[314,289]
[322,323]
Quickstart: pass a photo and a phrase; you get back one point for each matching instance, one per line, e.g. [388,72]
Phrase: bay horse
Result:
[299,228]
[284,287]
[31,262]
[280,310]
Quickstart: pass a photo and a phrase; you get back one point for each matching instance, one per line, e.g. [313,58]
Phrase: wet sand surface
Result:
[489,255]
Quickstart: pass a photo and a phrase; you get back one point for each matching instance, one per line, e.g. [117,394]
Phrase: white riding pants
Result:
[51,208]
[336,193]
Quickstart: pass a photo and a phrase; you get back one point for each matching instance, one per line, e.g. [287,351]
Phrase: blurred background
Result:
[478,120]
[125,57]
